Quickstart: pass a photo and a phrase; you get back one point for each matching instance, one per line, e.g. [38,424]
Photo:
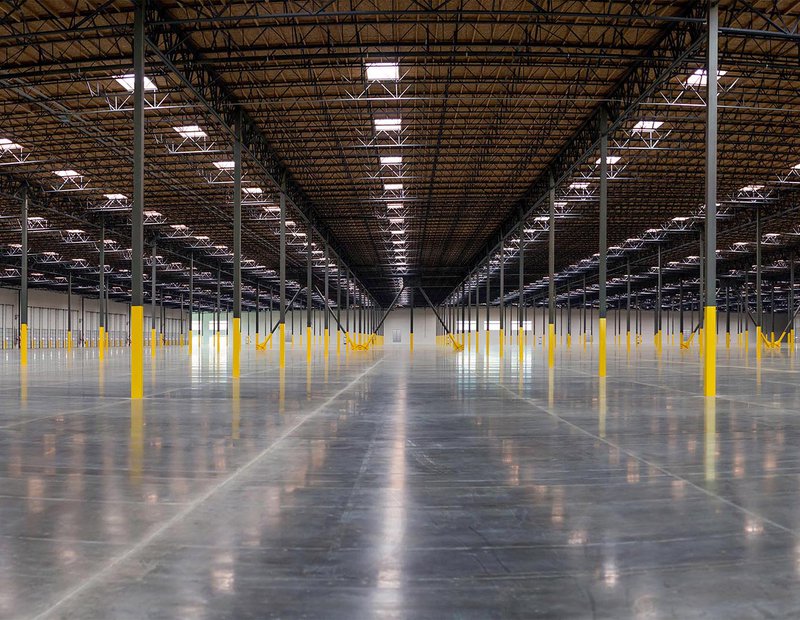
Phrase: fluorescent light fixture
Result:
[224,165]
[396,220]
[116,196]
[74,231]
[399,231]
[151,214]
[680,218]
[398,241]
[394,205]
[220,247]
[611,159]
[579,185]
[646,126]
[127,82]
[541,218]
[391,160]
[66,174]
[388,124]
[178,226]
[8,145]
[700,77]
[290,222]
[191,131]
[252,190]
[201,237]
[751,188]
[383,71]
[389,187]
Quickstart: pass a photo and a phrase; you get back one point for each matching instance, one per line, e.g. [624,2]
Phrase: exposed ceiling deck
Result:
[490,96]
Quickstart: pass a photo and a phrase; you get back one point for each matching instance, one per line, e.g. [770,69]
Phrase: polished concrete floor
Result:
[381,485]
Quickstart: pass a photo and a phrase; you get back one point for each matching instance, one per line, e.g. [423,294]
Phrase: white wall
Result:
[47,317]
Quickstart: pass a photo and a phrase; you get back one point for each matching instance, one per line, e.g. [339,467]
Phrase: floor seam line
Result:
[660,468]
[147,540]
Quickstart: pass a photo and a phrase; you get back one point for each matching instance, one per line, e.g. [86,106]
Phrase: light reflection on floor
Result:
[380,485]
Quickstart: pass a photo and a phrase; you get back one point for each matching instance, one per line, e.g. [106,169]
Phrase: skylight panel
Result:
[391,160]
[8,145]
[127,82]
[611,159]
[191,131]
[646,126]
[383,71]
[224,165]
[700,77]
[66,174]
[388,124]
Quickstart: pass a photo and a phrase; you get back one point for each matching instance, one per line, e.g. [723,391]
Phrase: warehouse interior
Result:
[399,309]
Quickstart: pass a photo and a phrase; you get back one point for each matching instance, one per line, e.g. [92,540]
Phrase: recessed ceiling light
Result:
[383,71]
[191,131]
[391,160]
[224,165]
[66,174]
[127,82]
[388,124]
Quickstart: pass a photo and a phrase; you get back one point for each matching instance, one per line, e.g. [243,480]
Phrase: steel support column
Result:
[137,208]
[710,323]
[282,285]
[23,279]
[237,247]
[551,270]
[603,244]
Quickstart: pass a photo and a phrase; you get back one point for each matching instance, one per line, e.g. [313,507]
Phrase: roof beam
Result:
[674,47]
[174,48]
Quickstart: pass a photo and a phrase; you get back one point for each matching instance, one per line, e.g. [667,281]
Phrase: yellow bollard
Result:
[153,342]
[601,353]
[710,356]
[237,347]
[502,341]
[23,344]
[282,345]
[551,345]
[101,340]
[137,352]
[326,342]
